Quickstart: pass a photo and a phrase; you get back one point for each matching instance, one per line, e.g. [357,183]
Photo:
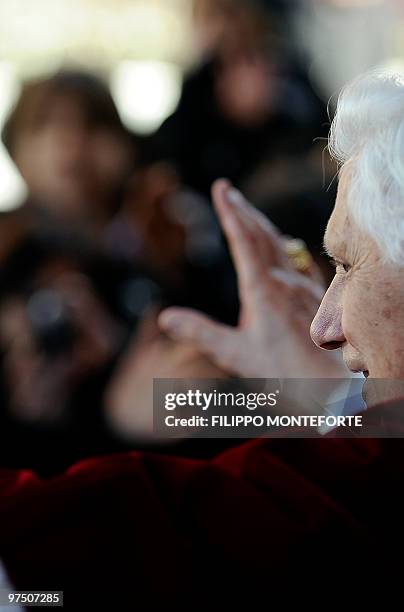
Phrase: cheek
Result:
[373,325]
[360,316]
[391,321]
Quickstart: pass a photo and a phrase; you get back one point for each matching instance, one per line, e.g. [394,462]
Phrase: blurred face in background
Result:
[246,87]
[72,164]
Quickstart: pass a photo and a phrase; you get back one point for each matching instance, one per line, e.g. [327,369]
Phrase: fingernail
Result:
[235,197]
[171,324]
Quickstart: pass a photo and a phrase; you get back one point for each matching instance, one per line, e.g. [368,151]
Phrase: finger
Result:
[267,237]
[240,236]
[314,273]
[297,281]
[217,341]
[293,292]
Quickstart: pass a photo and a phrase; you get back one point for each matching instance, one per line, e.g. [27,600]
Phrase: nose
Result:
[326,328]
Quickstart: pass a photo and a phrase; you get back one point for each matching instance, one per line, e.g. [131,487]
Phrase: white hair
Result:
[368,132]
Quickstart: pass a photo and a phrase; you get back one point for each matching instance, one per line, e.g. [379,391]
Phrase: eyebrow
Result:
[333,253]
[327,247]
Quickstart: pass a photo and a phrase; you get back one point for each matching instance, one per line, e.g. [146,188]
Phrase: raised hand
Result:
[278,304]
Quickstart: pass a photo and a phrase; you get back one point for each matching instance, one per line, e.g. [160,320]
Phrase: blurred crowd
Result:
[117,225]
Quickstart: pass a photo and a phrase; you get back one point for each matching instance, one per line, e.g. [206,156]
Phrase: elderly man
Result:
[362,312]
[271,517]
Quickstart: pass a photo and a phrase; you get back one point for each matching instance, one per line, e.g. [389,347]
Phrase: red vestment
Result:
[141,531]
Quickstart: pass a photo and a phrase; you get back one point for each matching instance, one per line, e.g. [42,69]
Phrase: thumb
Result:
[211,338]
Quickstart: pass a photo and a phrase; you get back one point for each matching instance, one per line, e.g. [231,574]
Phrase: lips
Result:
[354,361]
[356,368]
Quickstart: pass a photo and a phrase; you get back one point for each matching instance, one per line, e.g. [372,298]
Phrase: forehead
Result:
[339,228]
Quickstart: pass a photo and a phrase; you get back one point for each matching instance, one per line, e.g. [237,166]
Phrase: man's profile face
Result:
[362,312]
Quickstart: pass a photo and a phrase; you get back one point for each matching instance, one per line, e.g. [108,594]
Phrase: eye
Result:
[340,266]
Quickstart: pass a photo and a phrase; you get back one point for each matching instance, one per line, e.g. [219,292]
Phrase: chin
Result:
[377,391]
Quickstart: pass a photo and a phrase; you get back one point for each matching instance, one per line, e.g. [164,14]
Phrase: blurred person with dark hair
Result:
[83,173]
[68,142]
[249,111]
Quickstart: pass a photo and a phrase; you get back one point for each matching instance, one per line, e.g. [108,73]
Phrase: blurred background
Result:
[116,117]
